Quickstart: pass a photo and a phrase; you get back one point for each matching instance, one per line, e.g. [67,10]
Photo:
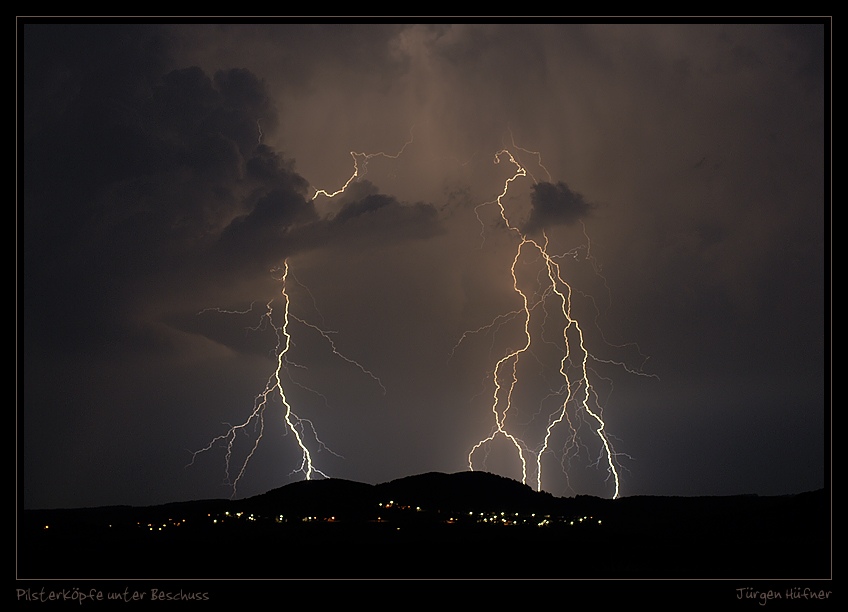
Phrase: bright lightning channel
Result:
[359,172]
[574,370]
[577,389]
[274,388]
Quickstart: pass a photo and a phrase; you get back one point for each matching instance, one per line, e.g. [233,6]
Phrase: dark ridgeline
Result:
[463,525]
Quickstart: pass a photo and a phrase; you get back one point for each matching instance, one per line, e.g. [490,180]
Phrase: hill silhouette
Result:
[433,525]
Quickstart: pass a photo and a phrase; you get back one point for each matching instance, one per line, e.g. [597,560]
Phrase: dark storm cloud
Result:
[276,202]
[135,187]
[368,204]
[234,104]
[555,204]
[365,214]
[142,179]
[167,169]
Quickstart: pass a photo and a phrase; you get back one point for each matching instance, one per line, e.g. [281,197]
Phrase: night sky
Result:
[677,174]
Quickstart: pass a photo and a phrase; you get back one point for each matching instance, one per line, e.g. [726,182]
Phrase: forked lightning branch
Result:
[579,404]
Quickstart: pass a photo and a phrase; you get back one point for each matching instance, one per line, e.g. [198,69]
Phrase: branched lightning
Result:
[578,400]
[536,154]
[360,171]
[274,388]
[578,391]
[496,323]
[326,335]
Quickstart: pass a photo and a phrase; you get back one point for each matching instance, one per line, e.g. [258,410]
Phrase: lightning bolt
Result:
[578,399]
[274,388]
[359,172]
[326,335]
[580,395]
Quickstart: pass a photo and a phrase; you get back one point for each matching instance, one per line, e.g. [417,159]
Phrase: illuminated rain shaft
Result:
[577,387]
[274,388]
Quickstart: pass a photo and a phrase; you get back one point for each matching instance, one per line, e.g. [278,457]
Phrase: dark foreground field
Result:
[466,525]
